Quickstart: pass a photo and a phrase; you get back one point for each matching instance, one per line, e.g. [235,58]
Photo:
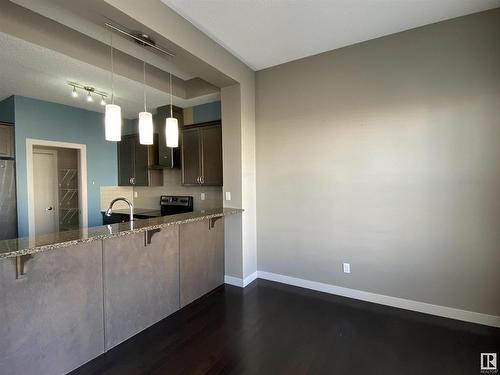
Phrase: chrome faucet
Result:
[109,211]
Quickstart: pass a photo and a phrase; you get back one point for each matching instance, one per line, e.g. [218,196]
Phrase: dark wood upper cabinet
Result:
[135,161]
[191,160]
[167,157]
[126,161]
[141,163]
[6,140]
[202,154]
[211,155]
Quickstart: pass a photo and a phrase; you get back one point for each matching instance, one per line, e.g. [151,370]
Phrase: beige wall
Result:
[231,139]
[386,155]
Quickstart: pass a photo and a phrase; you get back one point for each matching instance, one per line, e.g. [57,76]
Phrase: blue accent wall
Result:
[56,122]
[207,112]
[7,110]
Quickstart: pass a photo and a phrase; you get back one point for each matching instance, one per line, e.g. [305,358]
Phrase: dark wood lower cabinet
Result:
[201,258]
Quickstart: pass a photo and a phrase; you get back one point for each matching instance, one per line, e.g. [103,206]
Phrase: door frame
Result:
[56,162]
[82,179]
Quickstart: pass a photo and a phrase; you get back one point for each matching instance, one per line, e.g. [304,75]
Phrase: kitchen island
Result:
[66,298]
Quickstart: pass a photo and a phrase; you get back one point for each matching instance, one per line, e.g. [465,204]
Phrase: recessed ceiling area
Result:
[37,72]
[63,19]
[264,33]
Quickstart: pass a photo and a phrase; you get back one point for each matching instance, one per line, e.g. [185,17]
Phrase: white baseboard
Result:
[250,278]
[447,312]
[235,281]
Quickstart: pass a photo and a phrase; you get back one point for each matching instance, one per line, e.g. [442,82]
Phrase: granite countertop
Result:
[35,244]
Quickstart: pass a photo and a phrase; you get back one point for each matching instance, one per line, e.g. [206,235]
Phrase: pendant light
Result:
[171,124]
[145,118]
[113,114]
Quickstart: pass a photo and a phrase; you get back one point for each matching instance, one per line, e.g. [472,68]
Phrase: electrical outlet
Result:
[346,267]
[228,195]
[202,196]
[136,194]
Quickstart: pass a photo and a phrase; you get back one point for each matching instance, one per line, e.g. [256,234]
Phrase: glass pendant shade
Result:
[172,132]
[145,128]
[113,123]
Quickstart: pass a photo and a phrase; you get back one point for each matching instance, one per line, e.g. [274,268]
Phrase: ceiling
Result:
[37,72]
[264,33]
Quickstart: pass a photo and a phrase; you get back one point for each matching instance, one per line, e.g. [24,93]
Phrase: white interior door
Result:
[45,188]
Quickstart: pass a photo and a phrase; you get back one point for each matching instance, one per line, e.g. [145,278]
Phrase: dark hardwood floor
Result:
[271,328]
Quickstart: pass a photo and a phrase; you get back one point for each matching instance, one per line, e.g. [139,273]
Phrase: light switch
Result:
[228,195]
[202,196]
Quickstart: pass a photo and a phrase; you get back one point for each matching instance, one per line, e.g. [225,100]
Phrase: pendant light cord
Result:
[112,71]
[171,111]
[144,86]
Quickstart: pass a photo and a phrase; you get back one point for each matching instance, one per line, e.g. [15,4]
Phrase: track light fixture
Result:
[90,92]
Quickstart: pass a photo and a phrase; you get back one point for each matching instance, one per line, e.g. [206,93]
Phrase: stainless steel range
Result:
[171,204]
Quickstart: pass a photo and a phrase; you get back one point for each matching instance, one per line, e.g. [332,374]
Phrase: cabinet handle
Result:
[198,179]
[132,180]
[202,179]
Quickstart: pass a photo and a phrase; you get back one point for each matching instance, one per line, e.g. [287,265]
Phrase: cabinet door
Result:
[6,140]
[211,141]
[201,258]
[141,283]
[191,161]
[141,163]
[125,161]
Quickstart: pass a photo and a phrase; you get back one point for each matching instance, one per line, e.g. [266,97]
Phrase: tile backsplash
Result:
[108,193]
[149,197]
